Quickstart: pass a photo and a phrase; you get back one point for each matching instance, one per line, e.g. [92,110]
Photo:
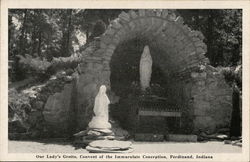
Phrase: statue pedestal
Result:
[99,123]
[93,134]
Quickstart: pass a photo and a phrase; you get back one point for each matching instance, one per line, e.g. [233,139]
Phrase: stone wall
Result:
[212,100]
[47,108]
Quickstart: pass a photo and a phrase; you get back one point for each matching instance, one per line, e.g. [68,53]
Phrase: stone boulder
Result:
[57,110]
[108,146]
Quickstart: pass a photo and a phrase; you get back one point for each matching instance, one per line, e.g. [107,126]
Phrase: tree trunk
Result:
[87,35]
[33,41]
[39,43]
[235,128]
[68,34]
[209,35]
[22,37]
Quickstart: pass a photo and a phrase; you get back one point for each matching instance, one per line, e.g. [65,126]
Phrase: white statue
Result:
[101,118]
[145,68]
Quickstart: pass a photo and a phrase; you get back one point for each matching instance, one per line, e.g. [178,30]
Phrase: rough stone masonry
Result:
[205,97]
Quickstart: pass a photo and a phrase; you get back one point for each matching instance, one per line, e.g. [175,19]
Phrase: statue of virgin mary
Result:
[101,118]
[145,68]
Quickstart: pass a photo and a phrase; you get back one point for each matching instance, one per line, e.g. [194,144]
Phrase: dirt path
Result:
[139,147]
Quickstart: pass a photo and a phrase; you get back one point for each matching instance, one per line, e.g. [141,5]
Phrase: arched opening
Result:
[125,83]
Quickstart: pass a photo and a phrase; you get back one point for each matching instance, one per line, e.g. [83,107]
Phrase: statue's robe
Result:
[145,68]
[101,118]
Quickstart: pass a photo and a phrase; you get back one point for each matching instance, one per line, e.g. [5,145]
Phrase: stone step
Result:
[149,137]
[111,144]
[181,138]
[100,150]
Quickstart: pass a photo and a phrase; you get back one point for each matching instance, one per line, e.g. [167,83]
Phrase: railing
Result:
[155,107]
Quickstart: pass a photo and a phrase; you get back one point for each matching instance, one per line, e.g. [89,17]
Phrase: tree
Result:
[222,30]
[66,31]
[88,18]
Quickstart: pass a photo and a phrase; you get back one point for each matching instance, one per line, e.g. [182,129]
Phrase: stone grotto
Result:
[181,78]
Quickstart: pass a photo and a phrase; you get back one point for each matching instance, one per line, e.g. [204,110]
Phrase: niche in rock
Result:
[125,80]
[125,62]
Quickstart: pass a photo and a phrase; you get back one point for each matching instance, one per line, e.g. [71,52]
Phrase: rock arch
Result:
[159,27]
[182,56]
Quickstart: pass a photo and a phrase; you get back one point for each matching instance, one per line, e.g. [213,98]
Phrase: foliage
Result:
[233,76]
[41,69]
[19,107]
[48,33]
[222,30]
[33,65]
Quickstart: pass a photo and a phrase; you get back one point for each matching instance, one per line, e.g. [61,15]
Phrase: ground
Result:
[46,146]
